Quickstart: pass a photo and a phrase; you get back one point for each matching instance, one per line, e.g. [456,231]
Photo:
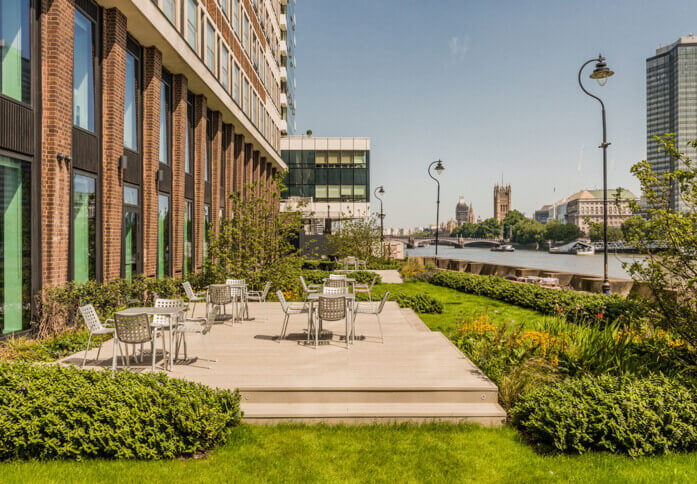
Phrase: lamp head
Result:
[601,72]
[381,190]
[439,167]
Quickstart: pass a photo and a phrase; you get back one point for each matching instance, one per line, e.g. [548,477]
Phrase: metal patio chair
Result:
[200,326]
[365,288]
[259,296]
[372,307]
[193,297]
[290,309]
[132,329]
[219,295]
[309,288]
[330,308]
[95,327]
[238,290]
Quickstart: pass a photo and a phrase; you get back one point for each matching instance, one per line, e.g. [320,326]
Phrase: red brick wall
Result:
[239,153]
[229,160]
[248,167]
[200,123]
[113,85]
[152,79]
[179,109]
[56,135]
[216,150]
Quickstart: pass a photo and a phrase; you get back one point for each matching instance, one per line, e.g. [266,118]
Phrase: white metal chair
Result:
[365,288]
[219,295]
[200,326]
[337,277]
[336,283]
[372,307]
[95,327]
[309,288]
[161,322]
[350,263]
[132,329]
[334,291]
[290,309]
[193,297]
[238,290]
[330,308]
[259,296]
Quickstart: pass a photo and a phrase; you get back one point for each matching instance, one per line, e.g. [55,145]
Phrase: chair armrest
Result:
[314,286]
[109,322]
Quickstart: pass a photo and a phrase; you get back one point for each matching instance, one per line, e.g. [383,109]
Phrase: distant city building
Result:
[449,226]
[586,206]
[287,70]
[463,212]
[502,201]
[542,215]
[327,180]
[671,106]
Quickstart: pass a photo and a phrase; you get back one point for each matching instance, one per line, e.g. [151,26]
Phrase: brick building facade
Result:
[123,127]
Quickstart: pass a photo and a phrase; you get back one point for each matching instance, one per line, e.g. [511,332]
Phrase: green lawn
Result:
[434,453]
[458,305]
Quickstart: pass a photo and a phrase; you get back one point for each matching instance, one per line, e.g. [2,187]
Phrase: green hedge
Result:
[421,303]
[315,276]
[635,416]
[570,304]
[57,412]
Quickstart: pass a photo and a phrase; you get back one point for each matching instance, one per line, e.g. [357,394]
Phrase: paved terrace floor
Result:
[415,375]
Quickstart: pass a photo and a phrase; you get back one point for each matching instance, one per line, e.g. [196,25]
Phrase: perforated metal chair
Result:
[330,308]
[219,296]
[259,296]
[132,329]
[365,288]
[200,326]
[95,327]
[340,283]
[238,290]
[372,307]
[290,309]
[350,263]
[193,297]
[309,288]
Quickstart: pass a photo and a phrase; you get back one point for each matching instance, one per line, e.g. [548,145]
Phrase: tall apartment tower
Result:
[671,105]
[288,67]
[502,201]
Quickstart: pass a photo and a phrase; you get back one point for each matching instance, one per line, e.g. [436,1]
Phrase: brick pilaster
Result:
[152,82]
[179,110]
[229,160]
[113,86]
[262,177]
[247,168]
[200,123]
[56,127]
[216,154]
[255,170]
[238,171]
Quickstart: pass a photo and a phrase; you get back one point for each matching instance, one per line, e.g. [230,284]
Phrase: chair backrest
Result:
[282,300]
[335,283]
[383,301]
[267,288]
[304,284]
[133,328]
[351,260]
[236,292]
[372,284]
[89,314]
[331,308]
[211,319]
[188,290]
[333,290]
[337,277]
[166,303]
[219,294]
[235,282]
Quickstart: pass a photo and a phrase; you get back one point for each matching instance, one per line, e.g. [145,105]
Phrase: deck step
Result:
[474,394]
[490,414]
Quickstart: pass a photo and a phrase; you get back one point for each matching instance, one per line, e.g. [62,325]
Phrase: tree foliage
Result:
[669,238]
[357,237]
[559,232]
[595,232]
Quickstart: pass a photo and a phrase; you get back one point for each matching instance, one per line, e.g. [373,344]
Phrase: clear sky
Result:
[488,86]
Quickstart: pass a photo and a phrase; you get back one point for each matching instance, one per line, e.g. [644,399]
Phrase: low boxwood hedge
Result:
[618,414]
[58,412]
[421,303]
[570,304]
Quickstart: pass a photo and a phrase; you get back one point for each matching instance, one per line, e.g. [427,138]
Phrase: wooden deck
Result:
[416,375]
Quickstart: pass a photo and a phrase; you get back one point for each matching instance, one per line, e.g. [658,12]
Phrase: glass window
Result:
[191,32]
[223,6]
[188,238]
[245,97]
[15,244]
[224,71]
[130,117]
[321,158]
[320,192]
[84,228]
[333,157]
[236,16]
[346,157]
[163,236]
[254,108]
[210,47]
[333,191]
[346,191]
[165,114]
[83,72]
[245,33]
[359,192]
[169,10]
[236,83]
[206,229]
[359,157]
[131,231]
[15,61]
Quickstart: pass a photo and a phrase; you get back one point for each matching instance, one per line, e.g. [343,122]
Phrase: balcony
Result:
[284,99]
[283,126]
[283,22]
[284,48]
[284,73]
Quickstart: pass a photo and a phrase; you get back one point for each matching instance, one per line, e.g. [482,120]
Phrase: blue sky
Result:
[487,86]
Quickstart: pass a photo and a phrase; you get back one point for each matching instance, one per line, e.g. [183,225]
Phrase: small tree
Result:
[358,237]
[669,238]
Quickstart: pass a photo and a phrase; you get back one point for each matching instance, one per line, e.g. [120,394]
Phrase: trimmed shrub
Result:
[315,276]
[420,303]
[573,306]
[57,412]
[618,414]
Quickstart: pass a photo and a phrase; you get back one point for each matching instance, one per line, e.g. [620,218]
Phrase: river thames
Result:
[582,264]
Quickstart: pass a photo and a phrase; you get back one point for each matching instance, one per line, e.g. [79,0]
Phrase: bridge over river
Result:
[460,242]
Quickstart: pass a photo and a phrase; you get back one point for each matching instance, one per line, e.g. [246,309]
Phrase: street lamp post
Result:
[601,73]
[439,169]
[381,191]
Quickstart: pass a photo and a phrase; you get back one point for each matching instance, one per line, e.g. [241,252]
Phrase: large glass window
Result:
[130,116]
[15,51]
[206,229]
[236,83]
[245,97]
[131,231]
[245,33]
[236,16]
[163,236]
[191,31]
[15,243]
[188,238]
[83,72]
[224,71]
[210,47]
[168,7]
[165,117]
[84,228]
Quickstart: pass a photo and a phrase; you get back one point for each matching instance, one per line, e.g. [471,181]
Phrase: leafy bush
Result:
[421,303]
[314,276]
[574,306]
[618,414]
[52,412]
[50,348]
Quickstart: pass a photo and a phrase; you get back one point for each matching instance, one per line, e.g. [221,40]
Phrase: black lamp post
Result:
[381,191]
[601,73]
[439,169]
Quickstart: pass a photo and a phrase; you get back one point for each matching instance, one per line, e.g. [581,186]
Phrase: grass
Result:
[459,306]
[433,453]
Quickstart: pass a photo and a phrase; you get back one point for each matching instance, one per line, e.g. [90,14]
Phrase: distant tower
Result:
[464,212]
[502,201]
